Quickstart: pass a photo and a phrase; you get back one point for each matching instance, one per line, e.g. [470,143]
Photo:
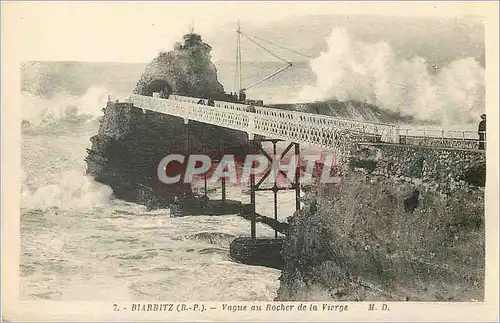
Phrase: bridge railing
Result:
[183,98]
[438,133]
[188,110]
[375,129]
[301,127]
[305,128]
[218,104]
[351,124]
[231,106]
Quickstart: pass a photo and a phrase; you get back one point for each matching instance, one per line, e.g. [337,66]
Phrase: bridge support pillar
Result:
[275,193]
[205,185]
[297,178]
[275,188]
[186,137]
[186,147]
[223,180]
[253,223]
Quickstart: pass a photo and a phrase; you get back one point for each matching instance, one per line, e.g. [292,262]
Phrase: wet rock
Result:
[130,143]
[410,202]
[187,71]
[360,242]
[258,252]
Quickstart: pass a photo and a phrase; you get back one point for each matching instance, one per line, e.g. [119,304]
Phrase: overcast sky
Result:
[136,32]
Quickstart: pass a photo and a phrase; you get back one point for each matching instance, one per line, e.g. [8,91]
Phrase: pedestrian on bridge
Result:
[243,95]
[481,131]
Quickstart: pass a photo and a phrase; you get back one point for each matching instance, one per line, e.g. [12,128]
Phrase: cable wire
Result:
[283,47]
[264,48]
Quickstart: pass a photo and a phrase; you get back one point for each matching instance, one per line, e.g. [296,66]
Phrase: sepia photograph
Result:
[251,157]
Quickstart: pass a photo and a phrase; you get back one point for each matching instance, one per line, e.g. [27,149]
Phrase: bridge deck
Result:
[300,127]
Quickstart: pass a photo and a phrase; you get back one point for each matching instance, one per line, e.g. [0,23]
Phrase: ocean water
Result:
[121,252]
[80,243]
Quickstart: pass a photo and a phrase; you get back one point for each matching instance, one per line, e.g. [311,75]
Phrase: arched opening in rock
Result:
[158,86]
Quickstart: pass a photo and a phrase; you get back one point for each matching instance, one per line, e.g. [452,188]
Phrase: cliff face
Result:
[126,152]
[405,223]
[131,142]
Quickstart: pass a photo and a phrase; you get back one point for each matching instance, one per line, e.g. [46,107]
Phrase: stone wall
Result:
[458,143]
[443,168]
[405,223]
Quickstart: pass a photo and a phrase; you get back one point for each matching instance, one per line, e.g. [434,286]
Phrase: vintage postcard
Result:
[249,161]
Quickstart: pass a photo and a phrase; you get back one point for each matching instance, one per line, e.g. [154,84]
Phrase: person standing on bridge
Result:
[481,131]
[163,94]
[243,95]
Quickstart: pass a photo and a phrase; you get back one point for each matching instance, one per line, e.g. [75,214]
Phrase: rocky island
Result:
[130,143]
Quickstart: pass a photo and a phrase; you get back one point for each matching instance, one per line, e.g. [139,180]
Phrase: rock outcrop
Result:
[405,223]
[187,71]
[257,252]
[131,142]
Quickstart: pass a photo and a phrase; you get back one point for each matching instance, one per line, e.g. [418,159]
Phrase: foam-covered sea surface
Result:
[79,243]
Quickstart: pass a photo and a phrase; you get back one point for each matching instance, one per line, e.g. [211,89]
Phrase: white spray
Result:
[53,167]
[354,70]
[41,112]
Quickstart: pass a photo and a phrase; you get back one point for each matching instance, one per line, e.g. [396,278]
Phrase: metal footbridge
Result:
[327,132]
[304,128]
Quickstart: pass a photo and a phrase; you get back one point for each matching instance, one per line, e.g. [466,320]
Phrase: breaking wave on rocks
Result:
[76,238]
[69,190]
[53,171]
[62,107]
[373,73]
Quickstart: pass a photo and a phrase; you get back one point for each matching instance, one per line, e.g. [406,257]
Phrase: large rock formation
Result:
[131,143]
[187,70]
[405,223]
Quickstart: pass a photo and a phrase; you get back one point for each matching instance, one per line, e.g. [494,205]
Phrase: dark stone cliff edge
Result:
[405,223]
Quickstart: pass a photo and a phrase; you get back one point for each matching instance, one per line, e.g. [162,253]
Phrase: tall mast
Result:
[240,84]
[235,85]
[238,75]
